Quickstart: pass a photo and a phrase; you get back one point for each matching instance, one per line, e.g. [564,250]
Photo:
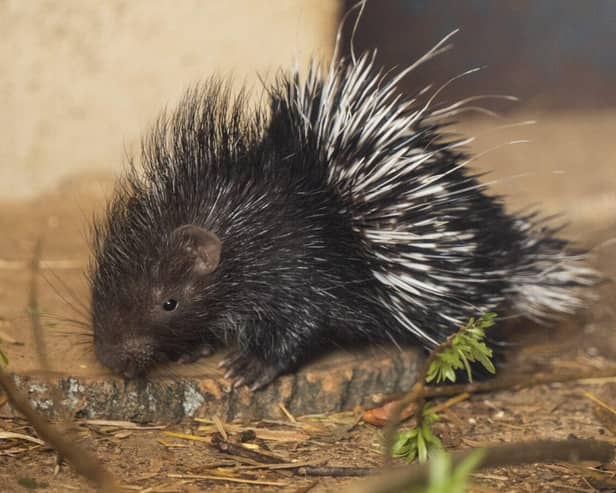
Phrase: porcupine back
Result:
[442,249]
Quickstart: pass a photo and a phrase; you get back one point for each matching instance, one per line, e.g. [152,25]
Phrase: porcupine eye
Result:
[170,305]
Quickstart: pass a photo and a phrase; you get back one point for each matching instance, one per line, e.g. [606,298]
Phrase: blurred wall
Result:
[81,79]
[553,54]
[557,56]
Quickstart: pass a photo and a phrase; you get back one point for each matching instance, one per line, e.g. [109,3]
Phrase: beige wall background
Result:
[80,80]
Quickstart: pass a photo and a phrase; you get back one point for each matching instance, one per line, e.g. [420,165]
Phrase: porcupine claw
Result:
[246,369]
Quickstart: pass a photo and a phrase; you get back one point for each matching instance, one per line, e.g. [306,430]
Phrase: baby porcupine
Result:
[339,215]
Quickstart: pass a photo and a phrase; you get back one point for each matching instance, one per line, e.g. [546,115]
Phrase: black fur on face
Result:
[156,251]
[161,311]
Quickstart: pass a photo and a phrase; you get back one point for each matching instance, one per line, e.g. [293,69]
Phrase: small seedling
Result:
[444,478]
[418,442]
[466,347]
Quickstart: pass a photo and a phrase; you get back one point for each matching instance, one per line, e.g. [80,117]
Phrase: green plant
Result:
[461,349]
[418,442]
[465,347]
[444,478]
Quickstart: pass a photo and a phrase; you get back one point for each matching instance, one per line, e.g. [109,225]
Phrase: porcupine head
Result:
[142,313]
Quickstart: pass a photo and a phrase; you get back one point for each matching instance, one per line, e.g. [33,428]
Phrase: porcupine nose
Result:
[137,355]
[131,357]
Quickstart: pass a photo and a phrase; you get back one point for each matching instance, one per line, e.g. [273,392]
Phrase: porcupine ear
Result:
[201,245]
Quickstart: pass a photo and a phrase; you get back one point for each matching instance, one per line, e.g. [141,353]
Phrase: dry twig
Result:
[395,480]
[416,396]
[239,450]
[226,478]
[519,382]
[84,463]
[599,402]
[335,471]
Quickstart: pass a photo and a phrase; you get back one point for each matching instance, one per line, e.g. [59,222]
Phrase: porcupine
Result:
[342,214]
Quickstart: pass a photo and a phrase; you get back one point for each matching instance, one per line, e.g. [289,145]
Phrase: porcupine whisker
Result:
[79,309]
[48,314]
[75,323]
[69,321]
[61,318]
[71,333]
[68,303]
[81,344]
[69,290]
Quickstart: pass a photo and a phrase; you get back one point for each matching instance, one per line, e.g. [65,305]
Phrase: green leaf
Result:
[467,366]
[429,437]
[439,473]
[418,442]
[466,347]
[429,415]
[487,364]
[405,445]
[444,478]
[468,465]
[422,448]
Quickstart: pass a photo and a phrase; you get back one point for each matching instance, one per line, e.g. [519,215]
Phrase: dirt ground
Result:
[569,166]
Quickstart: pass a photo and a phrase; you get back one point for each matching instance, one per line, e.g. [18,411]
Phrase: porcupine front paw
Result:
[199,353]
[247,369]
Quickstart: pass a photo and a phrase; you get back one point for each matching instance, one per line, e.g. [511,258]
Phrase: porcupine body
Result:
[342,214]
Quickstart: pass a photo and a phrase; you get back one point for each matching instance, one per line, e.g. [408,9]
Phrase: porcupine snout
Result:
[131,357]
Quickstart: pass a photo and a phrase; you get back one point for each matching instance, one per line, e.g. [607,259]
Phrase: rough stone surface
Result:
[337,383]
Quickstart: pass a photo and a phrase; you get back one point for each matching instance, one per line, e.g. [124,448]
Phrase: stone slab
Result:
[339,382]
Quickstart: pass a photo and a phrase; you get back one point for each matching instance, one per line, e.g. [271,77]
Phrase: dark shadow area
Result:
[553,54]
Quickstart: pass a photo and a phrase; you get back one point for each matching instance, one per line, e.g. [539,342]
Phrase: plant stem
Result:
[416,395]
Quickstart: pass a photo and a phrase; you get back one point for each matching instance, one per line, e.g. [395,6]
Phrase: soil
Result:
[569,167]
